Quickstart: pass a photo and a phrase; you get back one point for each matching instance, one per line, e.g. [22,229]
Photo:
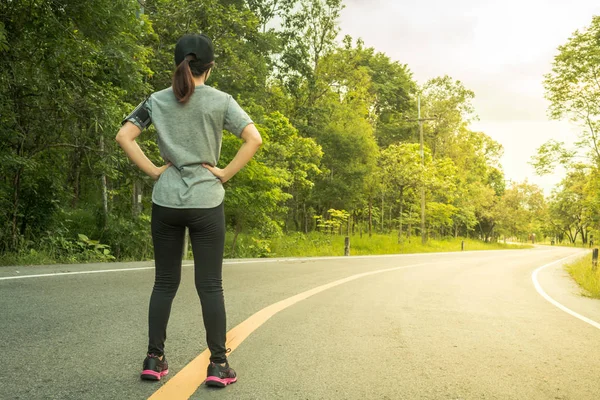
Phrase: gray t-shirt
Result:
[189,135]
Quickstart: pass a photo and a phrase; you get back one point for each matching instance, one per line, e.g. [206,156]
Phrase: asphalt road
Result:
[447,326]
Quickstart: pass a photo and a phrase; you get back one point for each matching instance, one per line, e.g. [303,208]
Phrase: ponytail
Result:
[183,82]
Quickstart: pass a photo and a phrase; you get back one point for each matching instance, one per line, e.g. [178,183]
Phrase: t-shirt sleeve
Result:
[236,118]
[141,116]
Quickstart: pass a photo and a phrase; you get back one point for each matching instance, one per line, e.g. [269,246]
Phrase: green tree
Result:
[298,158]
[59,103]
[256,195]
[391,89]
[402,173]
[242,53]
[450,103]
[522,206]
[573,89]
[308,35]
[569,209]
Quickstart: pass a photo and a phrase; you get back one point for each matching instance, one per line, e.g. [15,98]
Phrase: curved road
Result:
[438,326]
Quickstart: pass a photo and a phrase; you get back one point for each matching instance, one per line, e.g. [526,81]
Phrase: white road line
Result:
[538,287]
[257,261]
[7,278]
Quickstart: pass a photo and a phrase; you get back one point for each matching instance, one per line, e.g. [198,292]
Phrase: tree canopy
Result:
[337,119]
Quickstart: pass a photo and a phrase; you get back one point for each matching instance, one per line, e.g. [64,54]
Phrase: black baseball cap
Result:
[197,44]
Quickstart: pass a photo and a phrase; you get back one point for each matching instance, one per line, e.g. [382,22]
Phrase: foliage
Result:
[335,221]
[449,103]
[339,152]
[522,210]
[573,89]
[573,86]
[248,246]
[57,103]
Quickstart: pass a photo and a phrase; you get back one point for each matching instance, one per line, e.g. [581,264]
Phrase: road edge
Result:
[542,292]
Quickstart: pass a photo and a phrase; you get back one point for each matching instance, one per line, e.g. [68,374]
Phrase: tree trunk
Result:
[104,188]
[137,198]
[409,231]
[349,223]
[76,186]
[17,187]
[238,229]
[305,218]
[297,216]
[362,224]
[382,212]
[24,221]
[481,230]
[104,199]
[370,217]
[75,176]
[571,237]
[400,218]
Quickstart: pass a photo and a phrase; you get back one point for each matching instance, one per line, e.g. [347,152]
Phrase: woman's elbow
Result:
[251,136]
[120,136]
[123,136]
[256,137]
[257,140]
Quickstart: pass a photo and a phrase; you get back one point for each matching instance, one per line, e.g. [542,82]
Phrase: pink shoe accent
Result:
[223,382]
[157,375]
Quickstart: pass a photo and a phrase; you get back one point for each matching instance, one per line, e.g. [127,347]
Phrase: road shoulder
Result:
[560,286]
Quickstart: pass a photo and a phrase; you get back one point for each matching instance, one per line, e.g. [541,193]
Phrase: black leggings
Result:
[207,235]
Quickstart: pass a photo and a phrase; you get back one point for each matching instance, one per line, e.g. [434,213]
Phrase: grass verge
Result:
[564,244]
[588,280]
[293,245]
[27,258]
[315,244]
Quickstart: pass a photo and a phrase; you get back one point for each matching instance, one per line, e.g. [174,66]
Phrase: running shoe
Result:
[220,376]
[155,368]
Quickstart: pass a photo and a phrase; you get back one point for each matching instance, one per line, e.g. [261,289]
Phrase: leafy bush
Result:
[93,249]
[248,246]
[129,238]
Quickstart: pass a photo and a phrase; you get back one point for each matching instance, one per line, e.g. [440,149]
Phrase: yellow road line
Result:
[185,383]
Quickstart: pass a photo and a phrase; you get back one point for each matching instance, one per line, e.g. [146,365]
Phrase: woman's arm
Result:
[252,141]
[126,139]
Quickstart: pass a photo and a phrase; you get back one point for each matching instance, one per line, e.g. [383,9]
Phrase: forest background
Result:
[341,154]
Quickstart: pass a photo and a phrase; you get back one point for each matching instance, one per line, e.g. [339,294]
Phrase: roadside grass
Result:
[295,244]
[563,244]
[45,257]
[318,244]
[588,280]
[27,258]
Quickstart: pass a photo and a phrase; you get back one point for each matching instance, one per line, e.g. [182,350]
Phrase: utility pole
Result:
[423,236]
[420,121]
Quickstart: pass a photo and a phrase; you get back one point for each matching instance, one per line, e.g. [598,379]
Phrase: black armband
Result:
[140,116]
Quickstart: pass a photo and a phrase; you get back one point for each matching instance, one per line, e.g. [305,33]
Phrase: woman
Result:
[189,117]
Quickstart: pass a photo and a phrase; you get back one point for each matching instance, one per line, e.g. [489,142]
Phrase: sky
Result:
[499,49]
